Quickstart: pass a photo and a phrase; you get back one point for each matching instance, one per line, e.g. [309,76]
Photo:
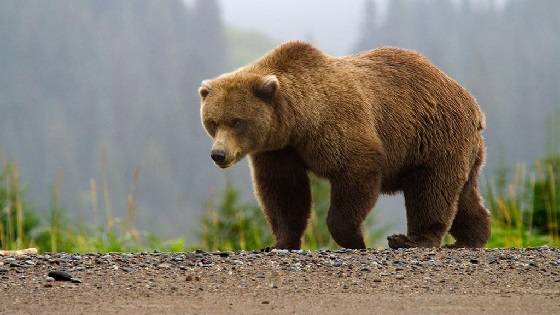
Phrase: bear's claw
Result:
[397,241]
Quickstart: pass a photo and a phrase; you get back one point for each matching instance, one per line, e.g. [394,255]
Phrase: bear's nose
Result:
[219,156]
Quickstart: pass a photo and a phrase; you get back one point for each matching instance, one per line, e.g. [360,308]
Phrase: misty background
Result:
[99,89]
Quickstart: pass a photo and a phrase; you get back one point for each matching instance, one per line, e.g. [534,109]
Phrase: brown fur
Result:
[382,121]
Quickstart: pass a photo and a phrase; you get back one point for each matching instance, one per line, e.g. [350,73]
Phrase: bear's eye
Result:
[237,124]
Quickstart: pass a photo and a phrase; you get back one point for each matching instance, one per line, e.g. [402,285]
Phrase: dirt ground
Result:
[413,281]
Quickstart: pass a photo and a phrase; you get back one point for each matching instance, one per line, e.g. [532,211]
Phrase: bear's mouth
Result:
[223,165]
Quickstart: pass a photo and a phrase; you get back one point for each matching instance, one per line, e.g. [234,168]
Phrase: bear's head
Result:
[239,113]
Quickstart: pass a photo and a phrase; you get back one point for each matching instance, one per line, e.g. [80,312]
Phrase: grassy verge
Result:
[525,206]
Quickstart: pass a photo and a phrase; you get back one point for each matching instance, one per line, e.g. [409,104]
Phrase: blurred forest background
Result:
[98,101]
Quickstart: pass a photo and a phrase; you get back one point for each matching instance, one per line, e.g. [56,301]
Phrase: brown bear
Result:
[381,121]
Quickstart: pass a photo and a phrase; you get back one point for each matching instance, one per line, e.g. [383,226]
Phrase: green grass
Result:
[20,227]
[525,206]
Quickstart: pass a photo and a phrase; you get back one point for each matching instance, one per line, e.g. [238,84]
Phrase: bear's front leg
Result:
[282,187]
[352,198]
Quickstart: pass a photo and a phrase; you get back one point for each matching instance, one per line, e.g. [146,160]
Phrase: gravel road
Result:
[411,281]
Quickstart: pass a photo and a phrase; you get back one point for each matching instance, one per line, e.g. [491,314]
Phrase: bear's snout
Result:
[218,155]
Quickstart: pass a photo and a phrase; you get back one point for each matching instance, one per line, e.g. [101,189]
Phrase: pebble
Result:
[336,263]
[75,280]
[281,252]
[59,275]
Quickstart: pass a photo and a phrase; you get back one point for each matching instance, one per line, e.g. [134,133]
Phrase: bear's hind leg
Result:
[431,203]
[471,226]
[282,187]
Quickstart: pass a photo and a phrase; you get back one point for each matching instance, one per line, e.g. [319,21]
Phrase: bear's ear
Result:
[204,88]
[267,87]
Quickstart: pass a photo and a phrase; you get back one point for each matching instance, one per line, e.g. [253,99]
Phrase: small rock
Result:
[30,262]
[377,280]
[75,280]
[400,277]
[189,278]
[164,266]
[281,252]
[265,302]
[474,261]
[205,263]
[60,275]
[49,279]
[48,285]
[336,263]
[343,250]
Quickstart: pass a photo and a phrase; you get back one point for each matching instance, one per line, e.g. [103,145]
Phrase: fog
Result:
[93,90]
